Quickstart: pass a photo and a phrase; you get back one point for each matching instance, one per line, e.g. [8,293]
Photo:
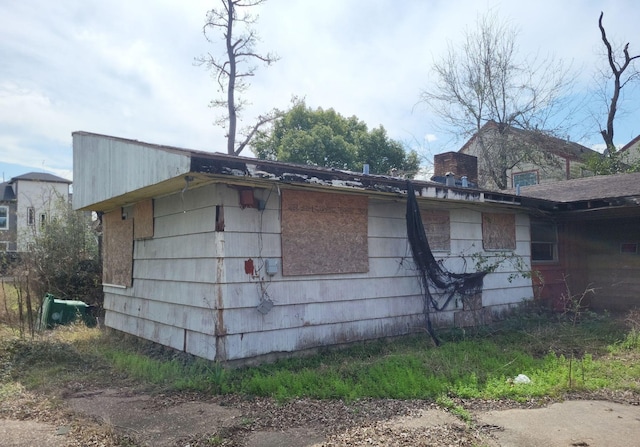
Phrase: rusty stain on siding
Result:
[220,329]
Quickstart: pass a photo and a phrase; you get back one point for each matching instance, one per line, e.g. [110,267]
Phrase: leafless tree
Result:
[483,81]
[618,68]
[233,69]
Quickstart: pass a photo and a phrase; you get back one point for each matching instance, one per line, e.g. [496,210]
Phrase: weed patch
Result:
[558,357]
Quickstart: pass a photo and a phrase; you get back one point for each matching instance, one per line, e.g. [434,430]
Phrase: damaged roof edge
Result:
[290,173]
[232,168]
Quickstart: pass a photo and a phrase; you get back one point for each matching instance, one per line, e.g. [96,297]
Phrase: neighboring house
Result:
[631,151]
[586,238]
[232,258]
[8,225]
[27,202]
[531,157]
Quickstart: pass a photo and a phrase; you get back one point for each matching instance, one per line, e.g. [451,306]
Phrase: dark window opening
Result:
[31,216]
[544,241]
[219,218]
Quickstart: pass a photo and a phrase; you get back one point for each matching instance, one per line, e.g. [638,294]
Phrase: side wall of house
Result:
[8,237]
[208,293]
[613,260]
[43,198]
[316,310]
[178,276]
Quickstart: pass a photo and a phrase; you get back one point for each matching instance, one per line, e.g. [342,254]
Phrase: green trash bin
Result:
[55,311]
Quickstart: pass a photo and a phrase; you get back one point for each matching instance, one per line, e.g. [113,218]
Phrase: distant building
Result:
[531,157]
[27,203]
[631,151]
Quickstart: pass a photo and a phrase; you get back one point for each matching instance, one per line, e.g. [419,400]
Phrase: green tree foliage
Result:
[64,259]
[611,162]
[326,138]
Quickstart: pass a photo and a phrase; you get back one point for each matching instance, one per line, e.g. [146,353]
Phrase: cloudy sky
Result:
[125,67]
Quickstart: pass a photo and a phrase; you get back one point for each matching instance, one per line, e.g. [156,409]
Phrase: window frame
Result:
[31,216]
[43,219]
[551,243]
[521,173]
[6,216]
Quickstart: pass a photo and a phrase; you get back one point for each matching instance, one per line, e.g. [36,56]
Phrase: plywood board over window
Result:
[438,228]
[118,249]
[498,231]
[143,219]
[324,233]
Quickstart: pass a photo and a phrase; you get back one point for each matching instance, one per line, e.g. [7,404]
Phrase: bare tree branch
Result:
[617,71]
[483,81]
[232,69]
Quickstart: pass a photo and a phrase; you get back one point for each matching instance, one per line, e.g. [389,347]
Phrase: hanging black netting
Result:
[439,286]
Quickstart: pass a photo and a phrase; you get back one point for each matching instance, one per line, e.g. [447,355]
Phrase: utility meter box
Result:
[271,266]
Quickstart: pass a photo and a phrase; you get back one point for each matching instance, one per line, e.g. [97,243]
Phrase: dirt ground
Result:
[134,418]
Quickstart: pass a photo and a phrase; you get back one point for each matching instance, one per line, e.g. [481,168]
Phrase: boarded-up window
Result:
[438,229]
[324,233]
[118,249]
[498,231]
[143,219]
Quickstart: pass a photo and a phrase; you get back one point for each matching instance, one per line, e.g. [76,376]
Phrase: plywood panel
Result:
[498,231]
[323,233]
[143,219]
[118,249]
[437,227]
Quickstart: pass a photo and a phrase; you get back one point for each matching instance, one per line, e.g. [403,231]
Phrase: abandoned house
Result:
[232,258]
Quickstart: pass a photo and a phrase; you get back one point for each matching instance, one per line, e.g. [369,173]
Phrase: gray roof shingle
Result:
[586,188]
[40,177]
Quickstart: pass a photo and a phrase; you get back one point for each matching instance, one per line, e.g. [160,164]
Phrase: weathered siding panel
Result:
[197,280]
[252,344]
[314,310]
[167,335]
[178,276]
[105,167]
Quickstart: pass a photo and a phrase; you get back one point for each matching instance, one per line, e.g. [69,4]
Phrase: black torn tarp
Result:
[434,278]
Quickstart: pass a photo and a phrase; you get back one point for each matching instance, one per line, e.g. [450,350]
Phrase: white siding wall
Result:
[43,197]
[191,290]
[178,276]
[105,167]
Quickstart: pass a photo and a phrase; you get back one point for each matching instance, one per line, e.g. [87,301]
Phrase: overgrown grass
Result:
[557,355]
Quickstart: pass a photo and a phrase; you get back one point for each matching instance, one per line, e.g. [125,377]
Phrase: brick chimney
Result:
[460,164]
